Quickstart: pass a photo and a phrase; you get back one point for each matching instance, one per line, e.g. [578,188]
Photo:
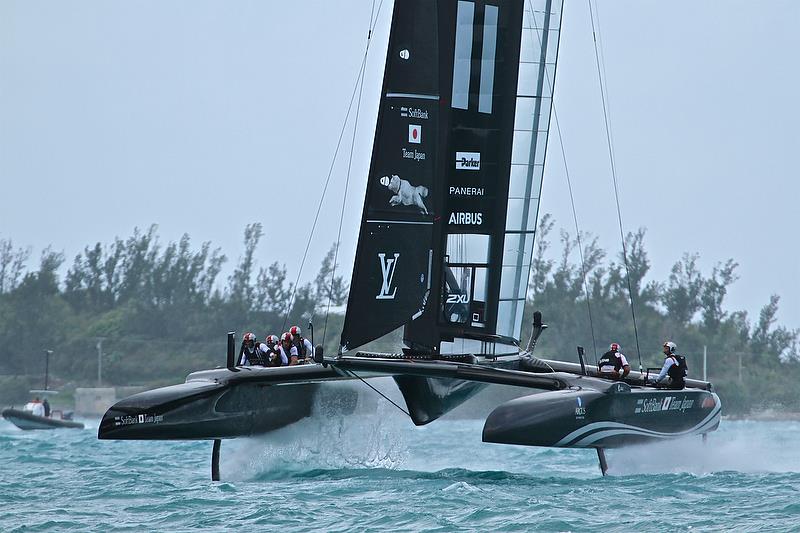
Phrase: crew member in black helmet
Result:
[674,367]
[612,362]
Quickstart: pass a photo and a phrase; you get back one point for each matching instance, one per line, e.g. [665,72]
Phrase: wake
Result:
[373,437]
[740,446]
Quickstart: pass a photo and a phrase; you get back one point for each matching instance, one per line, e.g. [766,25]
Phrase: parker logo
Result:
[405,54]
[388,267]
[468,160]
[414,133]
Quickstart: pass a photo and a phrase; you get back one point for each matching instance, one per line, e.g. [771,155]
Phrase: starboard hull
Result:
[29,421]
[587,418]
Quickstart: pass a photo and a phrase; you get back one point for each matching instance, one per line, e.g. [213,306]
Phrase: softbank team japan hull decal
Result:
[388,267]
[127,420]
[590,434]
[468,160]
[405,193]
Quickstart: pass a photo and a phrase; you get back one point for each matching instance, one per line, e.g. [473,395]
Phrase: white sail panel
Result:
[541,29]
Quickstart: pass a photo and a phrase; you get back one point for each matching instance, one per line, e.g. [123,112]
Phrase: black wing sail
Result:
[447,231]
[392,271]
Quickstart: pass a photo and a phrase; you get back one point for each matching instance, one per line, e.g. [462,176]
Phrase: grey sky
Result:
[203,116]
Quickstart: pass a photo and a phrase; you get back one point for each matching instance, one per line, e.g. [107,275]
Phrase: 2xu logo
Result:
[388,267]
[457,298]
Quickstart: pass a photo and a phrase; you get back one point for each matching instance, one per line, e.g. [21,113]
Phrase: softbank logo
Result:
[468,160]
[388,267]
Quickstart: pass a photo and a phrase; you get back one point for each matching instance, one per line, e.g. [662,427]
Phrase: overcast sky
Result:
[204,116]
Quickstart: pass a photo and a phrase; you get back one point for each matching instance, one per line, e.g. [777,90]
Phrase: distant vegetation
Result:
[159,308]
[162,311]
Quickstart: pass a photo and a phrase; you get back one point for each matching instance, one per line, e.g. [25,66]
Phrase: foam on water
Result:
[373,439]
[754,450]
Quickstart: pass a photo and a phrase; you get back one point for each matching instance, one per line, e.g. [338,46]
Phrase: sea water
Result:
[380,473]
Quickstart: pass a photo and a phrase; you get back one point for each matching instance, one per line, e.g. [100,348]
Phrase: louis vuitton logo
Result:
[388,267]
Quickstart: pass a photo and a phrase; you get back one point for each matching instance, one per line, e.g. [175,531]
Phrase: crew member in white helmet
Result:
[252,352]
[287,350]
[304,348]
[674,367]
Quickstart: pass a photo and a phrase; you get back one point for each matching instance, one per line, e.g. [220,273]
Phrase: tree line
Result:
[161,311]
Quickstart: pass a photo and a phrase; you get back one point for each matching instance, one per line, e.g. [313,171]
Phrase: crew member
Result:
[252,352]
[674,368]
[273,350]
[614,361]
[288,350]
[303,345]
[46,406]
[35,407]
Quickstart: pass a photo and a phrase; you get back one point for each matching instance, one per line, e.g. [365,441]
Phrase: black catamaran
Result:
[444,251]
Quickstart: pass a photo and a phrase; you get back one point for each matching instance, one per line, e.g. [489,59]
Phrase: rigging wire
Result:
[551,83]
[376,390]
[372,23]
[330,171]
[603,91]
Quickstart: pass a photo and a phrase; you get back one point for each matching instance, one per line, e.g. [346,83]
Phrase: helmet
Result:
[614,347]
[286,337]
[295,331]
[671,345]
[272,339]
[249,341]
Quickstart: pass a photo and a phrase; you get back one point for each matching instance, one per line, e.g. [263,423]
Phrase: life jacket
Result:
[269,355]
[679,370]
[302,351]
[256,357]
[609,359]
[287,353]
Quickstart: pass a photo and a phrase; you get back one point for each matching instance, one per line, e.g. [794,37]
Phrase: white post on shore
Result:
[100,360]
[705,363]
